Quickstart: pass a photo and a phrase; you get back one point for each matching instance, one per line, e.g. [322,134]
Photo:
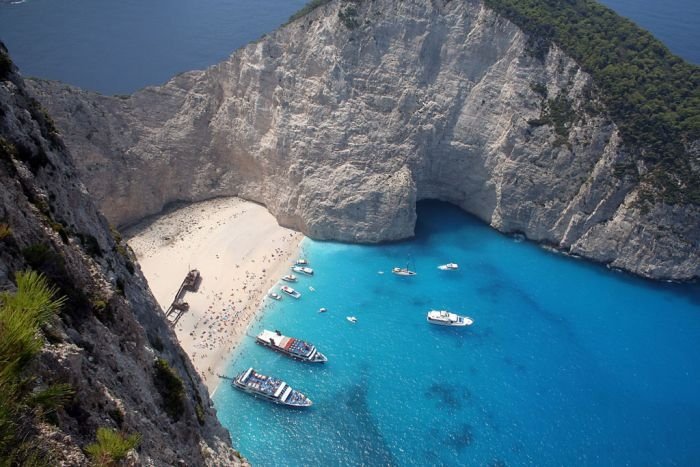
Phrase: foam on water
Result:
[567,362]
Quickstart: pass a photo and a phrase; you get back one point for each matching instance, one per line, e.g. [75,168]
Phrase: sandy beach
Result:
[240,252]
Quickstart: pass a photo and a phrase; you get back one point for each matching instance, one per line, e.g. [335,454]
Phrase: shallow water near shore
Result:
[567,362]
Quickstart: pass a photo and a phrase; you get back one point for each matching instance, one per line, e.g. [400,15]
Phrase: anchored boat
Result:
[291,347]
[449,267]
[445,318]
[289,278]
[271,389]
[290,291]
[403,272]
[303,270]
[302,262]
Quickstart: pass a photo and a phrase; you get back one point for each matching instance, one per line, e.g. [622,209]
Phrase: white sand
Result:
[240,252]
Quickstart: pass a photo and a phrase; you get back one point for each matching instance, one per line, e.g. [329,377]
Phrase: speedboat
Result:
[322,310]
[449,267]
[303,270]
[290,291]
[275,296]
[446,318]
[271,389]
[301,262]
[403,272]
[290,346]
[352,319]
[289,278]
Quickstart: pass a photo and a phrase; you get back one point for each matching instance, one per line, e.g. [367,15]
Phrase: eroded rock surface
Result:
[339,130]
[110,331]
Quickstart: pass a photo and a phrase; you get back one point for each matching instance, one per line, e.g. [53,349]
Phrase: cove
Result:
[567,362]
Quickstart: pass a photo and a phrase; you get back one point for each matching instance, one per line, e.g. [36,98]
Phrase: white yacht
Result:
[302,262]
[290,291]
[303,270]
[449,267]
[289,278]
[445,318]
[352,319]
[403,272]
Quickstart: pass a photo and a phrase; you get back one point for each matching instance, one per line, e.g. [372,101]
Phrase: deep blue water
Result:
[117,47]
[567,363]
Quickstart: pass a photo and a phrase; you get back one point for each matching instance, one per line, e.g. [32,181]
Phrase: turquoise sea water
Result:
[567,363]
[118,47]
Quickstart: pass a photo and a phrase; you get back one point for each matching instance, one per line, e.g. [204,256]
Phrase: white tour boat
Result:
[290,346]
[445,318]
[290,291]
[302,262]
[269,388]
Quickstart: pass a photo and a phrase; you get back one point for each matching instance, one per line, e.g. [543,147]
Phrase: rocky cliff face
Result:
[342,120]
[111,329]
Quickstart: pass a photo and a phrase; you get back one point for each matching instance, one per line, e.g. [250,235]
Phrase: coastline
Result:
[240,251]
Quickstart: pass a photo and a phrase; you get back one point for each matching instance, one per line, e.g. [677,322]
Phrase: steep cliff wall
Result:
[111,330]
[342,120]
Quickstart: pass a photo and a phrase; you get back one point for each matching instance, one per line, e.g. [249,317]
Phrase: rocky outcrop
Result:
[111,330]
[340,121]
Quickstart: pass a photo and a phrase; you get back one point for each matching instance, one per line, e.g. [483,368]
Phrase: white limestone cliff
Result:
[339,131]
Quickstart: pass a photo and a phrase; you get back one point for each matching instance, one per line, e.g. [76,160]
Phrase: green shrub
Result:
[558,113]
[22,314]
[5,231]
[5,64]
[117,415]
[91,245]
[348,16]
[38,255]
[111,446]
[60,230]
[199,411]
[170,387]
[306,9]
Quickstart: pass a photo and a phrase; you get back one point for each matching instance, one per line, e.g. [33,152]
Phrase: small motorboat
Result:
[352,319]
[322,310]
[303,270]
[449,267]
[301,262]
[289,278]
[275,296]
[403,272]
[311,288]
[290,291]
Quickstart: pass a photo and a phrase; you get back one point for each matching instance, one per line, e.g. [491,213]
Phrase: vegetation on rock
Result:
[22,404]
[306,9]
[652,95]
[111,446]
[170,387]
